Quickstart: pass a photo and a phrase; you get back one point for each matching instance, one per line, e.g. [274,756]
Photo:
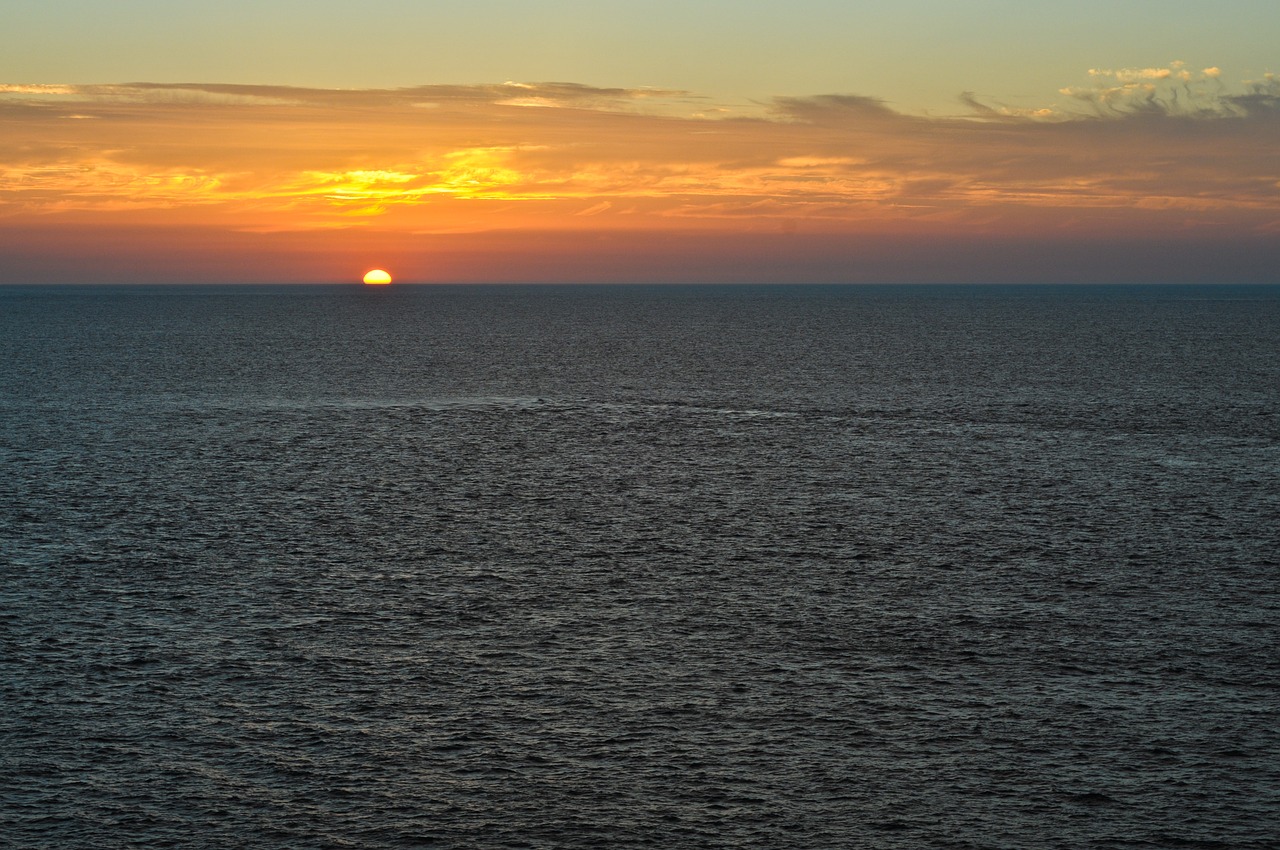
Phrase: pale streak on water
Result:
[639,567]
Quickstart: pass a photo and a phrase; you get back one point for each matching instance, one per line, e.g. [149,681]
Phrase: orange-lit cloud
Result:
[1138,153]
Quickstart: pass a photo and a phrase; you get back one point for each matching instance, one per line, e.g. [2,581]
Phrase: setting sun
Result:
[377,277]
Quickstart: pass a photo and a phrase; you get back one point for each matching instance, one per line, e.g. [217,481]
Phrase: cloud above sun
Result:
[1161,152]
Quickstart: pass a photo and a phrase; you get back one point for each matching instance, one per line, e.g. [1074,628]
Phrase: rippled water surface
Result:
[639,567]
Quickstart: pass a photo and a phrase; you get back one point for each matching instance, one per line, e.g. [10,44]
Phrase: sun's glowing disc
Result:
[377,277]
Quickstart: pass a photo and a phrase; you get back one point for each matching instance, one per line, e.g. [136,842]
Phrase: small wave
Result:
[685,408]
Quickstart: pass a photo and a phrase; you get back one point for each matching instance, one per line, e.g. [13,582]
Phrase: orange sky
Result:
[1155,171]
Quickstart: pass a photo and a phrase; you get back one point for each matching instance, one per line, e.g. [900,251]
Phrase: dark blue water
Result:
[624,567]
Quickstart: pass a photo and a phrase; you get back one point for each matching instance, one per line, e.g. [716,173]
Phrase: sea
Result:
[640,566]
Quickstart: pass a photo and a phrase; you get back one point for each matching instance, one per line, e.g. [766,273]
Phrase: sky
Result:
[921,141]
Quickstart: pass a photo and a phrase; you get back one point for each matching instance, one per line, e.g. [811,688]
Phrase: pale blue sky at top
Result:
[917,54]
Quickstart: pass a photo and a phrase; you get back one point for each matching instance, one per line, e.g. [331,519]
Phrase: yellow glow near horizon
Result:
[377,277]
[486,185]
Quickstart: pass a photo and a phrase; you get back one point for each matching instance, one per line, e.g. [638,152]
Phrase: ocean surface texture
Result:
[619,567]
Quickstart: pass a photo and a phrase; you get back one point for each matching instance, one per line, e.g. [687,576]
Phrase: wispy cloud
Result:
[1137,150]
[1173,91]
